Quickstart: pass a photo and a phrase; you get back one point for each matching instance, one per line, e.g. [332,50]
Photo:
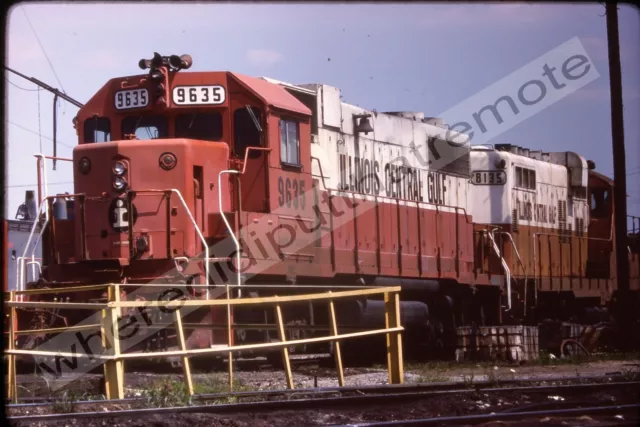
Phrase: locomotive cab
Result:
[600,261]
[155,163]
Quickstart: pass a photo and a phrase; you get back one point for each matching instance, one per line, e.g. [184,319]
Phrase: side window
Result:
[145,127]
[203,126]
[289,142]
[600,203]
[532,179]
[97,129]
[246,131]
[525,178]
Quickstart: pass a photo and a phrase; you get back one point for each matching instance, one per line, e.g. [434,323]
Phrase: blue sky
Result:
[391,57]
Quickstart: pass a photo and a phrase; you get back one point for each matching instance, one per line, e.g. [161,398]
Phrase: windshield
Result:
[203,126]
[97,129]
[145,127]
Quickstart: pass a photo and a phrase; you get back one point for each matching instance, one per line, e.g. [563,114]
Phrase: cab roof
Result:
[272,94]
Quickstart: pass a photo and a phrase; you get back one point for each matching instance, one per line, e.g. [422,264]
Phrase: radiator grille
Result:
[562,219]
[580,227]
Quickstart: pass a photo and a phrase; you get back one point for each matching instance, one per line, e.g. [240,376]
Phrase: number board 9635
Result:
[199,95]
[131,98]
[488,177]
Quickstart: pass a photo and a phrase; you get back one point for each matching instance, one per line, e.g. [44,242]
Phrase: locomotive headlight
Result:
[501,163]
[84,165]
[168,161]
[119,183]
[119,168]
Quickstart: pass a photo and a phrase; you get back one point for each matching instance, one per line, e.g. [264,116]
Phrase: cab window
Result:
[289,142]
[247,131]
[525,178]
[145,127]
[599,203]
[203,126]
[97,129]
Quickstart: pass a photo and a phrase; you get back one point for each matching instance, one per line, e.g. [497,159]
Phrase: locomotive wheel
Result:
[275,359]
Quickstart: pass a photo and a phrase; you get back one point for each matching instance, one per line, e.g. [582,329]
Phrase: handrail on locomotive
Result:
[224,216]
[524,270]
[41,165]
[505,266]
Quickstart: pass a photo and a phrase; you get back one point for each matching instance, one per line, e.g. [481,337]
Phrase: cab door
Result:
[249,131]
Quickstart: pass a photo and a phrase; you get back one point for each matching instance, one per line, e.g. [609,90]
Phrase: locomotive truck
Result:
[219,178]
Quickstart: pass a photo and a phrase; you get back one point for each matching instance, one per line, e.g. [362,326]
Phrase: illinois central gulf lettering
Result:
[403,182]
[400,182]
[436,187]
[541,213]
[525,209]
[359,175]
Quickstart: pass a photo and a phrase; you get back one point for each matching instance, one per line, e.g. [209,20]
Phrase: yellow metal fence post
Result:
[113,369]
[186,367]
[394,339]
[12,389]
[285,350]
[229,339]
[336,344]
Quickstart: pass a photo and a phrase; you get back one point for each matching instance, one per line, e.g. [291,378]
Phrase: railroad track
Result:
[368,397]
[528,416]
[369,389]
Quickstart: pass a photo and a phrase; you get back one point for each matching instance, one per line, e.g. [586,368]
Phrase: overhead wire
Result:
[33,185]
[36,133]
[43,50]
[38,89]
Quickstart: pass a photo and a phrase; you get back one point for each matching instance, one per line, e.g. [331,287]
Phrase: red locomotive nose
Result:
[145,198]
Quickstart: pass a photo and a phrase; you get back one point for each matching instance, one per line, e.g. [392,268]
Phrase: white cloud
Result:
[264,57]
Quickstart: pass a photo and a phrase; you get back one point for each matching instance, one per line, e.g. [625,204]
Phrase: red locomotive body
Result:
[178,175]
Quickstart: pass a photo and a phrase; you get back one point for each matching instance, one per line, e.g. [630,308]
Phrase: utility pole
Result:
[619,171]
[57,94]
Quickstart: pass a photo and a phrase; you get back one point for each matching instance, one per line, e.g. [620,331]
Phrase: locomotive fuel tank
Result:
[369,314]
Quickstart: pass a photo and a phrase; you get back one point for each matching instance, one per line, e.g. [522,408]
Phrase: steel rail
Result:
[468,419]
[305,404]
[404,388]
[409,388]
[312,401]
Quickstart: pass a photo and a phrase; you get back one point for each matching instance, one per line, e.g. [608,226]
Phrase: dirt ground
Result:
[250,377]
